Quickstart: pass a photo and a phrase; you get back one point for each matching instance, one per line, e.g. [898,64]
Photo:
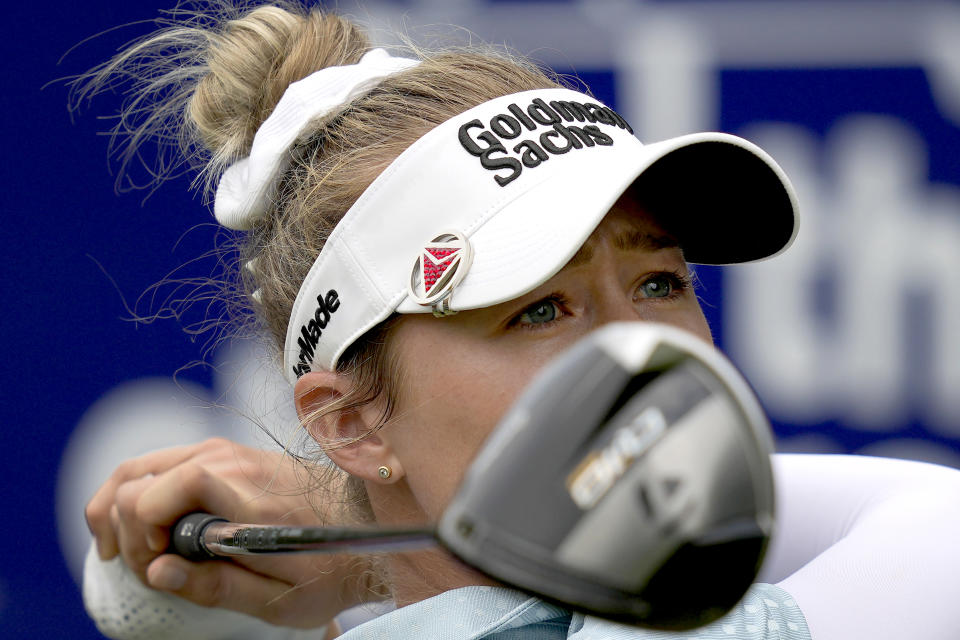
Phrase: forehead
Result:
[627,226]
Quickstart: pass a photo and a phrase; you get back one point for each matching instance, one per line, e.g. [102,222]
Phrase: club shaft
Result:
[200,536]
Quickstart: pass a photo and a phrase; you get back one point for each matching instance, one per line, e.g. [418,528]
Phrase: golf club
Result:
[631,480]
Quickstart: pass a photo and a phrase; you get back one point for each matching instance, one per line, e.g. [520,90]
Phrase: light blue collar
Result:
[469,613]
[495,613]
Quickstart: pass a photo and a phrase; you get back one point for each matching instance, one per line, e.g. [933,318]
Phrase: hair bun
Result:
[250,63]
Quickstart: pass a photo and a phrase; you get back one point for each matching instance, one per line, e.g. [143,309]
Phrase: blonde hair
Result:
[214,73]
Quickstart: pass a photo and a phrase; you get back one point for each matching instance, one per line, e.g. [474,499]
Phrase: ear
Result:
[362,458]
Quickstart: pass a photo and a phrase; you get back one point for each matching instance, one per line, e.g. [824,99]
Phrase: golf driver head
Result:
[631,480]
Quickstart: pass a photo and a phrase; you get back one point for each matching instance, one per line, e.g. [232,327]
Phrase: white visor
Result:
[495,201]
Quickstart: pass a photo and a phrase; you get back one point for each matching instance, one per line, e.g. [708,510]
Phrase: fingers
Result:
[215,453]
[226,585]
[131,515]
[146,507]
[99,508]
[187,488]
[139,542]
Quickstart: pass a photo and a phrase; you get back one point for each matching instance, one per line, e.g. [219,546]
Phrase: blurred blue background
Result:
[851,338]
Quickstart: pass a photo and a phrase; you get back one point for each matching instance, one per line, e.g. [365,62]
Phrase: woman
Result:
[421,236]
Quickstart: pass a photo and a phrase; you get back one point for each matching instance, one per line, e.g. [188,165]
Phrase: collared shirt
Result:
[494,613]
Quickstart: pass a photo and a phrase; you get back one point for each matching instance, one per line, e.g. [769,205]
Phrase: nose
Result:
[618,309]
[614,304]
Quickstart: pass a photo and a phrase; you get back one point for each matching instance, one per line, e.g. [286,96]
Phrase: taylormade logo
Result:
[600,470]
[311,331]
[487,143]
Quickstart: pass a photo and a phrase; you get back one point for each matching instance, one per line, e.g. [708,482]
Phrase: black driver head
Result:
[631,480]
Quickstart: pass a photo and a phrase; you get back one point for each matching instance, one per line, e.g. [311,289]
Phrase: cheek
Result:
[689,318]
[447,406]
[696,323]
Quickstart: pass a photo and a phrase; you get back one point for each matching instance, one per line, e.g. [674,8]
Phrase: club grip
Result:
[187,536]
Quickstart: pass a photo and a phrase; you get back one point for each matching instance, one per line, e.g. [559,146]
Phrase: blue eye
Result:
[661,285]
[540,313]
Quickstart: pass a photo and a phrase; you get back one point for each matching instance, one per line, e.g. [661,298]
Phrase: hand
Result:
[132,513]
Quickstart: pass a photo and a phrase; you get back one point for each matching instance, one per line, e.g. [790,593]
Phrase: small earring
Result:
[385,472]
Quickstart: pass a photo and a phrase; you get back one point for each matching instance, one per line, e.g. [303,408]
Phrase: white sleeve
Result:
[868,547]
[124,608]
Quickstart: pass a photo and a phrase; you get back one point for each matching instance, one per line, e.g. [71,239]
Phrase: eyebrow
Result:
[628,240]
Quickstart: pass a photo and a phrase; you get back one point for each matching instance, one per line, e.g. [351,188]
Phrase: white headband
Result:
[493,202]
[246,187]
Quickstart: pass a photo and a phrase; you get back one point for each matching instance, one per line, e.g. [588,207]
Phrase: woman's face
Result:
[462,372]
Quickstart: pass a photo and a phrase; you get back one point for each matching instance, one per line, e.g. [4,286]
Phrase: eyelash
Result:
[559,301]
[680,283]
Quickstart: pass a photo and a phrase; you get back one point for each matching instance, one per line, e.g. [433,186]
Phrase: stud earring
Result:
[385,472]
